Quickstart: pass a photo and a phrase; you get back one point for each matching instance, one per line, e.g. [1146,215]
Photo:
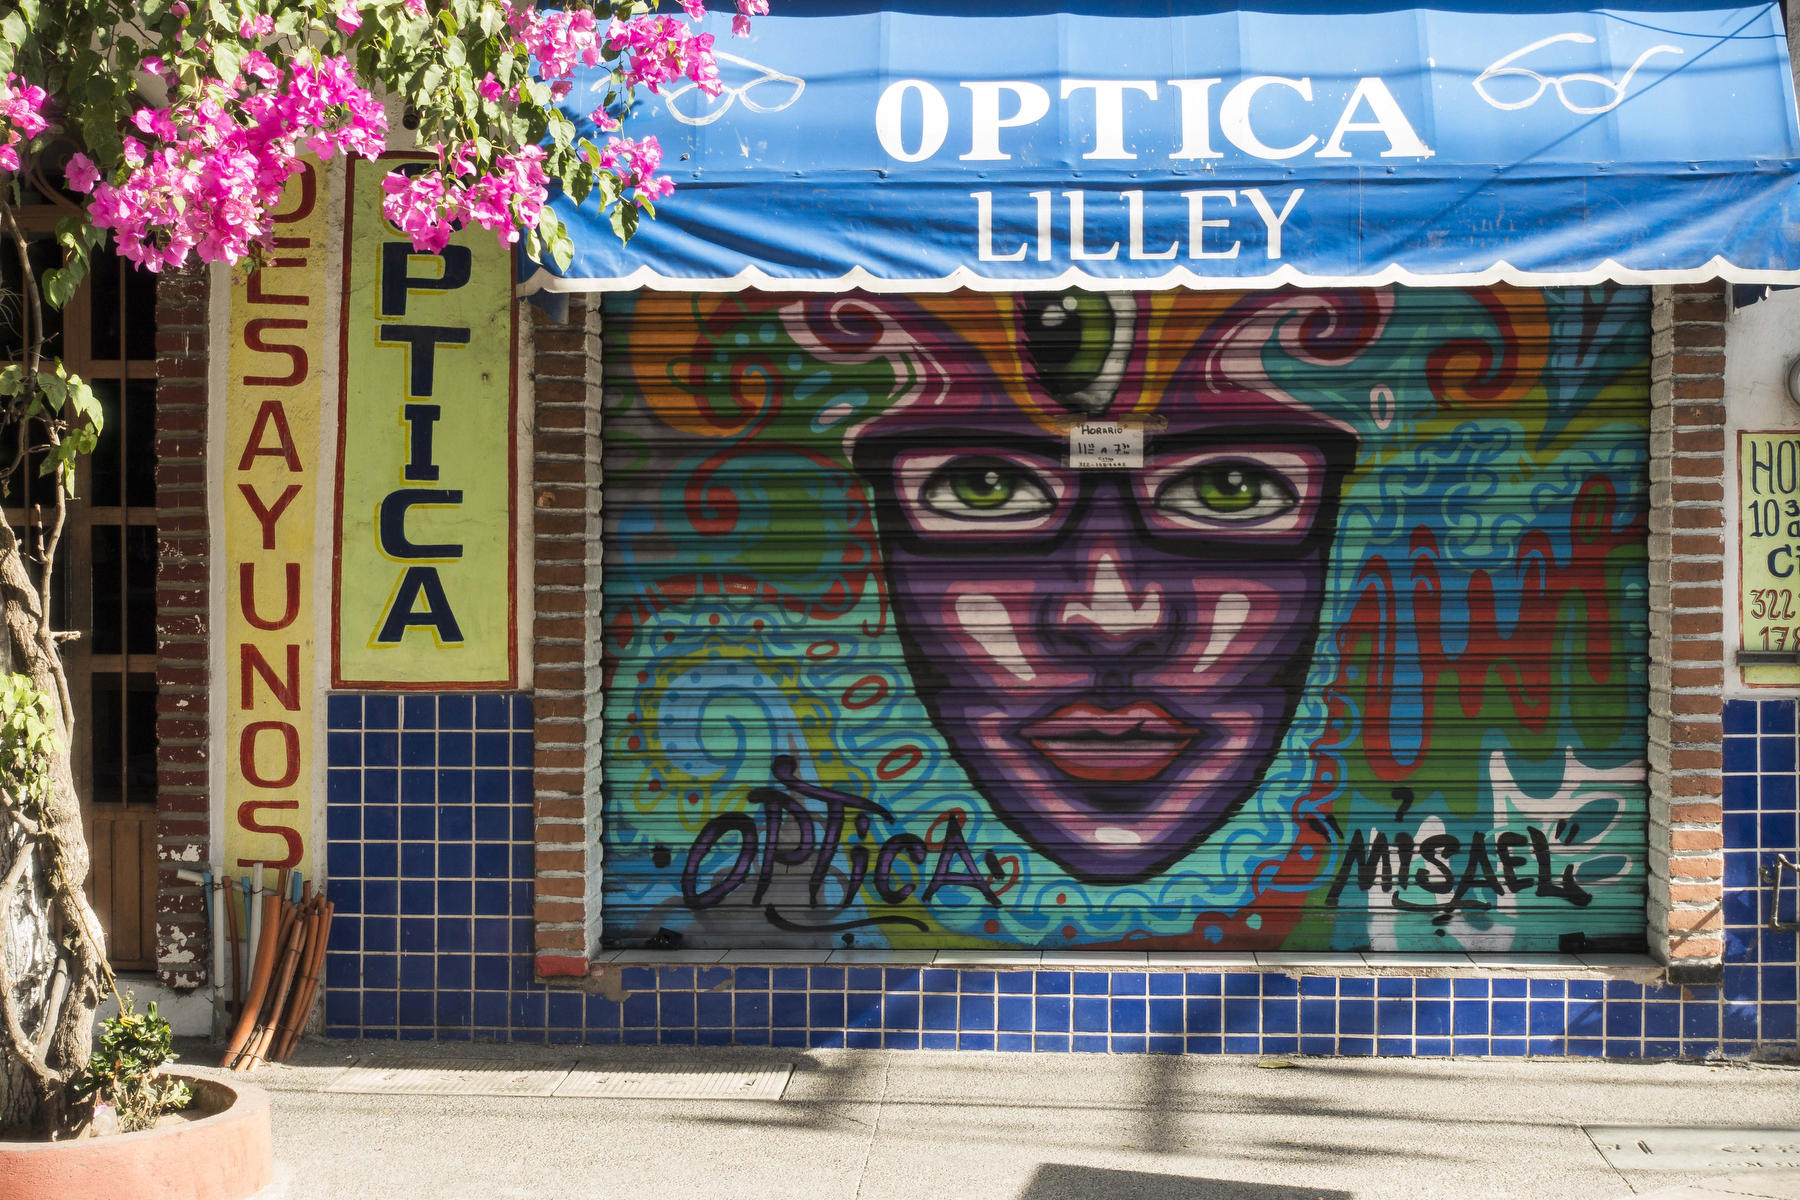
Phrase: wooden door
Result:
[105,586]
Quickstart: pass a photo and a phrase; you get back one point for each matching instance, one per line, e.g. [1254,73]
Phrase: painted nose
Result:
[1113,611]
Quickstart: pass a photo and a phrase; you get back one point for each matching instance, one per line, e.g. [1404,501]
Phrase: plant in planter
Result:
[172,127]
[123,1076]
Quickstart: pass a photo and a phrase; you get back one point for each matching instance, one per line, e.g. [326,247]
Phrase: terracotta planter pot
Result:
[227,1155]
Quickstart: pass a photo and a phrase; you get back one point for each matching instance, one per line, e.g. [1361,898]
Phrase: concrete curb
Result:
[1756,1185]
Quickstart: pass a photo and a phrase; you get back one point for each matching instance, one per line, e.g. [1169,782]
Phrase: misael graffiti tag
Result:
[1450,871]
[793,835]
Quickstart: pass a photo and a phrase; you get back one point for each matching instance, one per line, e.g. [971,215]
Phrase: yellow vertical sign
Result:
[270,474]
[425,583]
[1769,551]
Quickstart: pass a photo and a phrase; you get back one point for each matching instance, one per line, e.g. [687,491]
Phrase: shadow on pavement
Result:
[1065,1181]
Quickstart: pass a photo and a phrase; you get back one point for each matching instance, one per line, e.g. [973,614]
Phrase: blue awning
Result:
[938,144]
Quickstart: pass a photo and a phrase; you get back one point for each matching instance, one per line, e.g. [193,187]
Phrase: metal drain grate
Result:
[677,1083]
[383,1075]
[1695,1147]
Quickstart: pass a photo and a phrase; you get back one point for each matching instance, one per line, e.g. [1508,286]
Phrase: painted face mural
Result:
[1112,655]
[1338,642]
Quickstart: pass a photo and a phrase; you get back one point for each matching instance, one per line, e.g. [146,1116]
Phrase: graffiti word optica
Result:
[819,839]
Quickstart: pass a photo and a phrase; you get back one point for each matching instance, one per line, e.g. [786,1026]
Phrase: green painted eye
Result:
[986,489]
[982,489]
[1077,343]
[1226,488]
[1230,490]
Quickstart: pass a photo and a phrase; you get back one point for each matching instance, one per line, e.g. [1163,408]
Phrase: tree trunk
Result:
[45,919]
[28,949]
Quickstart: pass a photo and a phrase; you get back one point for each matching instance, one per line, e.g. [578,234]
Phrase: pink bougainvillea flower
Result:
[560,41]
[22,107]
[21,118]
[661,49]
[740,24]
[213,163]
[258,66]
[81,174]
[635,163]
[416,206]
[203,172]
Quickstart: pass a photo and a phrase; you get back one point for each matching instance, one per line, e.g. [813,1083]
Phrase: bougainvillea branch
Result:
[171,127]
[192,116]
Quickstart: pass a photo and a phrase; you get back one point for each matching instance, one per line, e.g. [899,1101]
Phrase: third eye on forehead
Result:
[1077,345]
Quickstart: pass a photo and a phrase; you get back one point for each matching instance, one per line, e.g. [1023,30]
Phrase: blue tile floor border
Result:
[430,843]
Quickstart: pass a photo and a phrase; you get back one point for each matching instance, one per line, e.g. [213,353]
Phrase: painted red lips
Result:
[1124,745]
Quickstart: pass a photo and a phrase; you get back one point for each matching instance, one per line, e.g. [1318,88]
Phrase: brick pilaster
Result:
[182,674]
[1687,653]
[566,646]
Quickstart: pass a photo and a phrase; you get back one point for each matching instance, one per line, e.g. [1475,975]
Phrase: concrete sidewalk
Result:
[880,1125]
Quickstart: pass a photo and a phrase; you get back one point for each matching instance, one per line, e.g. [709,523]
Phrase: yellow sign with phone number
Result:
[1769,551]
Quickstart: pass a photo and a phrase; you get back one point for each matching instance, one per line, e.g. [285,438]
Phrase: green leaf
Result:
[228,58]
[84,404]
[58,286]
[624,217]
[76,234]
[54,388]
[100,88]
[103,147]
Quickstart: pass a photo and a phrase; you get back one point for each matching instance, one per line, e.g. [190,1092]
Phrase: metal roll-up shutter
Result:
[1310,621]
